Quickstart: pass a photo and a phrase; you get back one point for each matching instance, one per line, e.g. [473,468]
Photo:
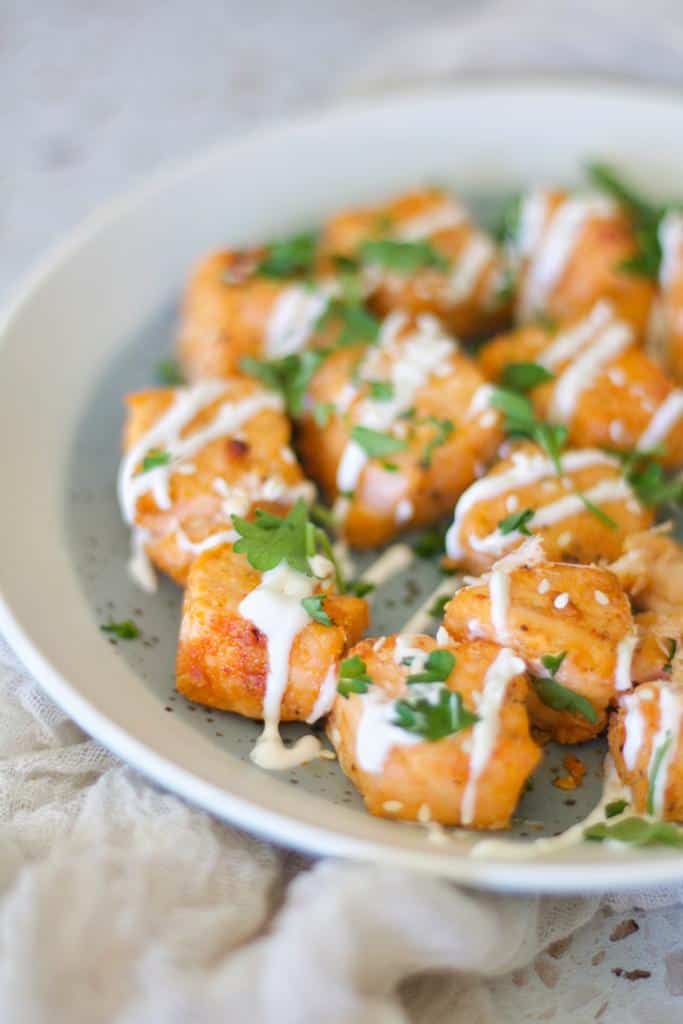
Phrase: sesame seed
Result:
[565,539]
[562,600]
[424,814]
[601,597]
[544,586]
[392,806]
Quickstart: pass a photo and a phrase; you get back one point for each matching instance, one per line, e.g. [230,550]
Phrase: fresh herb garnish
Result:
[438,667]
[434,721]
[431,542]
[314,606]
[154,458]
[375,443]
[169,373]
[381,390]
[659,756]
[597,511]
[439,606]
[509,222]
[517,521]
[672,646]
[125,630]
[289,256]
[353,676]
[321,412]
[523,377]
[290,375]
[402,257]
[615,807]
[294,538]
[645,217]
[558,697]
[357,325]
[359,588]
[443,430]
[650,484]
[637,832]
[506,287]
[390,467]
[521,421]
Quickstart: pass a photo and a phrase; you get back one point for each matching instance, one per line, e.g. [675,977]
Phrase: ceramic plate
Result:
[95,319]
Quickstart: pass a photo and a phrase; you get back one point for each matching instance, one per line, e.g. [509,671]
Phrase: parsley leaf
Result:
[558,697]
[125,630]
[650,484]
[353,676]
[520,421]
[381,390]
[509,221]
[443,430]
[615,807]
[660,754]
[523,377]
[375,443]
[357,325]
[517,521]
[438,608]
[431,542]
[637,832]
[170,374]
[553,662]
[155,457]
[314,606]
[289,256]
[438,667]
[645,217]
[402,257]
[290,375]
[434,721]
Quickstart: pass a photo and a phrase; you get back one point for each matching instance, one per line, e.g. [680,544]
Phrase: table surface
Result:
[95,95]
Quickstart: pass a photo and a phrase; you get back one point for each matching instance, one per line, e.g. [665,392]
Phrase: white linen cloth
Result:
[120,904]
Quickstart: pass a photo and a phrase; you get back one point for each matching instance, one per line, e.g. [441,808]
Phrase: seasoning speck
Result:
[562,600]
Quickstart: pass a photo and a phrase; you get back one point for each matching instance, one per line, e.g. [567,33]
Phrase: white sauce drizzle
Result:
[634,726]
[499,594]
[671,242]
[326,695]
[532,218]
[670,714]
[569,343]
[581,373]
[622,672]
[420,355]
[293,318]
[275,608]
[665,417]
[443,217]
[485,732]
[556,245]
[392,561]
[471,264]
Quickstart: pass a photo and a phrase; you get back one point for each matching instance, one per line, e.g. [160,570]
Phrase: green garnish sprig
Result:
[402,257]
[124,630]
[289,257]
[558,697]
[290,376]
[636,832]
[438,666]
[644,215]
[524,377]
[517,521]
[521,421]
[434,720]
[353,676]
[377,443]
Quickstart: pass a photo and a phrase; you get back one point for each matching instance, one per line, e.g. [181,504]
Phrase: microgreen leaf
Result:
[314,607]
[402,257]
[637,832]
[290,375]
[434,720]
[357,325]
[659,756]
[523,377]
[154,458]
[375,443]
[289,256]
[520,421]
[353,676]
[517,521]
[169,373]
[125,630]
[438,667]
[615,807]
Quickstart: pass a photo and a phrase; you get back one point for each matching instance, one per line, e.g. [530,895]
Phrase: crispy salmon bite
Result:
[646,742]
[591,376]
[582,515]
[395,431]
[264,626]
[570,624]
[193,458]
[431,732]
[421,253]
[571,250]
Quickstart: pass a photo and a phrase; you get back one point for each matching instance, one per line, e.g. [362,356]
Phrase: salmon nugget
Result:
[396,430]
[571,250]
[420,252]
[583,514]
[266,643]
[645,738]
[432,732]
[194,457]
[596,381]
[570,624]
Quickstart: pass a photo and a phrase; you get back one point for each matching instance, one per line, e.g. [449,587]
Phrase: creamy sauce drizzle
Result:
[671,242]
[670,707]
[622,672]
[470,265]
[293,319]
[569,343]
[443,217]
[665,417]
[485,732]
[581,373]
[392,561]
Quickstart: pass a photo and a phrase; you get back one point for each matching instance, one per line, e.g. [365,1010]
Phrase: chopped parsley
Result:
[521,421]
[434,721]
[430,543]
[645,217]
[353,676]
[314,607]
[659,756]
[154,458]
[321,412]
[402,257]
[357,325]
[508,227]
[651,485]
[517,521]
[558,697]
[438,608]
[443,430]
[170,374]
[125,630]
[438,667]
[523,377]
[290,375]
[637,832]
[381,390]
[375,443]
[359,588]
[289,256]
[615,808]
[598,512]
